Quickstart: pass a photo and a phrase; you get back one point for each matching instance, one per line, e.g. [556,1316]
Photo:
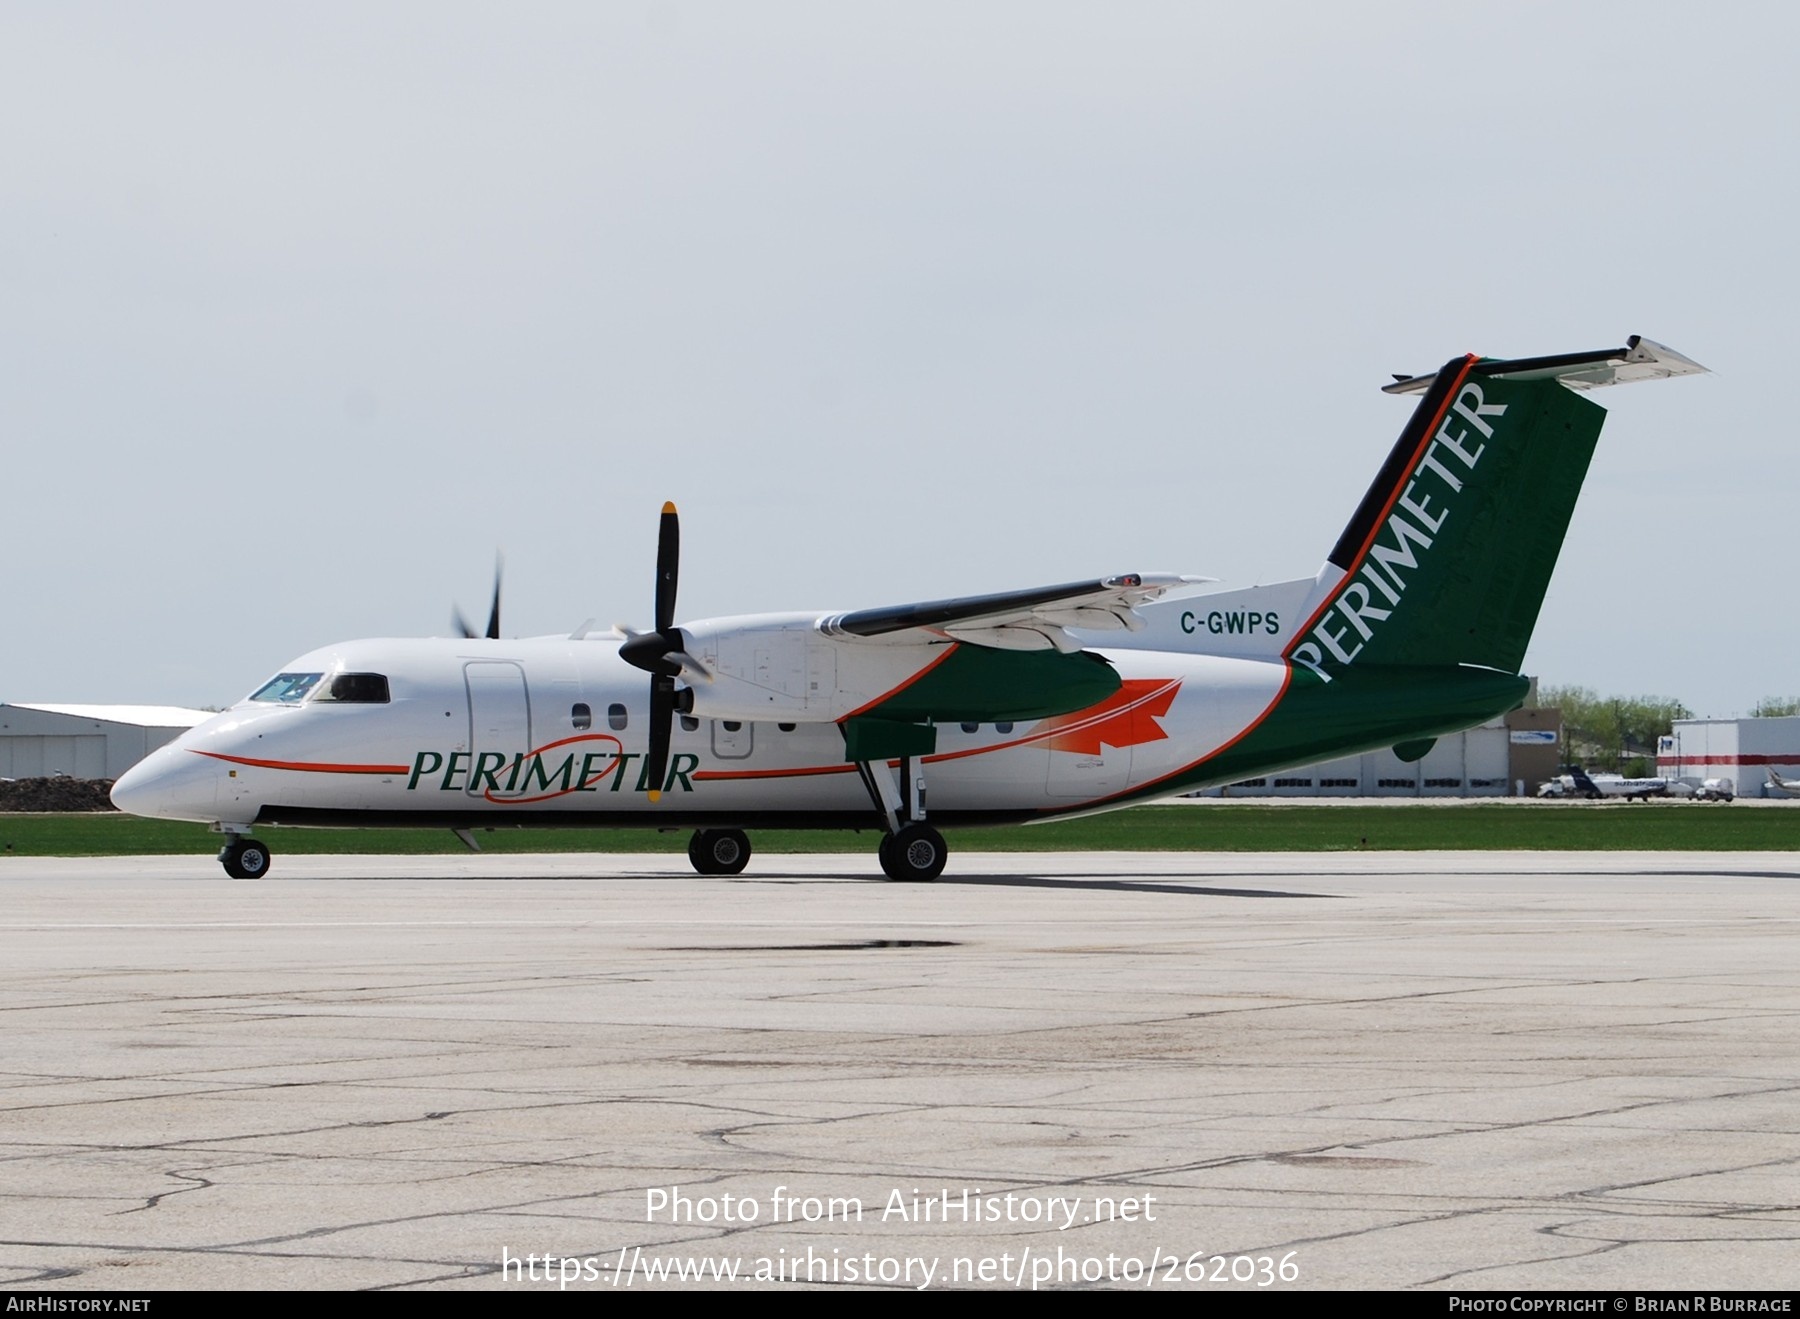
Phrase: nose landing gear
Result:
[245,858]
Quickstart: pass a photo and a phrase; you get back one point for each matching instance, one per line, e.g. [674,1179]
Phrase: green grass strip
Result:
[1563,826]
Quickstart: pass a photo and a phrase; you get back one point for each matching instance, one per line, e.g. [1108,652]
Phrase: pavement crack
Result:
[196,1183]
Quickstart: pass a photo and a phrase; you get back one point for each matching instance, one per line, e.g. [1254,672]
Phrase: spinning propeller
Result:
[662,653]
[493,627]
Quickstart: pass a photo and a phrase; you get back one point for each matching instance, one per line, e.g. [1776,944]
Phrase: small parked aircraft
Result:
[1786,786]
[1015,707]
[1616,785]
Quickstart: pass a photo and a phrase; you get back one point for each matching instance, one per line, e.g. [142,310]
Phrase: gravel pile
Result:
[55,794]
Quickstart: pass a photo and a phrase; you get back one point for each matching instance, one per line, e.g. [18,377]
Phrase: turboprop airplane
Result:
[1617,785]
[1787,787]
[1021,706]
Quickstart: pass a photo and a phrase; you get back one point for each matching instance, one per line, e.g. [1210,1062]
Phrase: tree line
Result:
[1621,732]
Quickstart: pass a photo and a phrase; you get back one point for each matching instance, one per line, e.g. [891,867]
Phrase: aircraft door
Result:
[499,727]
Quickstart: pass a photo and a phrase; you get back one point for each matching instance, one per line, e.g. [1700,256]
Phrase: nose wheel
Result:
[245,858]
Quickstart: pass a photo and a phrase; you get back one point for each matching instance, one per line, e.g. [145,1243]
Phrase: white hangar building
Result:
[1505,757]
[86,741]
[1742,750]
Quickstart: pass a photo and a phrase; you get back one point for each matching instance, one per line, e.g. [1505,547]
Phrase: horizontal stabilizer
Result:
[1639,359]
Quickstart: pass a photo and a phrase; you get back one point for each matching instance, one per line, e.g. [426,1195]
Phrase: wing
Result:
[1039,618]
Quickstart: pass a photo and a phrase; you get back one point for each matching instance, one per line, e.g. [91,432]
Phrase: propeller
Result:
[493,626]
[662,653]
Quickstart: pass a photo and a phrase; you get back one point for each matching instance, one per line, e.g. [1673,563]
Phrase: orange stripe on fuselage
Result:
[1041,735]
[800,773]
[306,767]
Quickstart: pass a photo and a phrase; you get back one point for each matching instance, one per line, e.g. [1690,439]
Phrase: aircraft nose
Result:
[170,783]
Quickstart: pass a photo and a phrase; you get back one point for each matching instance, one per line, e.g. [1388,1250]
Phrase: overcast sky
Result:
[306,310]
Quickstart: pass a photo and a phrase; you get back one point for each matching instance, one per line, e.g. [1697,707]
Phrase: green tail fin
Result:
[1449,554]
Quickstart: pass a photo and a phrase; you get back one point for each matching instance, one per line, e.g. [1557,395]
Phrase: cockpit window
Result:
[287,688]
[362,688]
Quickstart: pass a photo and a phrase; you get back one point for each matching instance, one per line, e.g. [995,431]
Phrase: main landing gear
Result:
[719,851]
[917,852]
[245,858]
[911,849]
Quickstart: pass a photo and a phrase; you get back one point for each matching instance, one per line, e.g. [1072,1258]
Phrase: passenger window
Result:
[732,725]
[615,717]
[970,728]
[786,728]
[357,688]
[581,717]
[1003,728]
[689,724]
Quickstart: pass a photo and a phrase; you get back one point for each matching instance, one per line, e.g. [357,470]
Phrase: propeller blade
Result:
[662,721]
[461,624]
[661,652]
[493,629]
[668,566]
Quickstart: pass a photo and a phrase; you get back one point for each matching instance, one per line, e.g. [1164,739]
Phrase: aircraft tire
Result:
[719,851]
[245,858]
[916,854]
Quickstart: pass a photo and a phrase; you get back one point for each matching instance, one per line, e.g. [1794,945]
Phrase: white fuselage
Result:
[552,730]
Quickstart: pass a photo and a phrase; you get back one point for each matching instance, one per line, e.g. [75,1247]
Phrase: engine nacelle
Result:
[783,668]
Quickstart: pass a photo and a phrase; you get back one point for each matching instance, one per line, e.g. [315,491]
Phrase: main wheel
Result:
[245,858]
[719,851]
[916,853]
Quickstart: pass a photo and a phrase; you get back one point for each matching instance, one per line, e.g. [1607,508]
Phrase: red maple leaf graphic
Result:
[1127,718]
